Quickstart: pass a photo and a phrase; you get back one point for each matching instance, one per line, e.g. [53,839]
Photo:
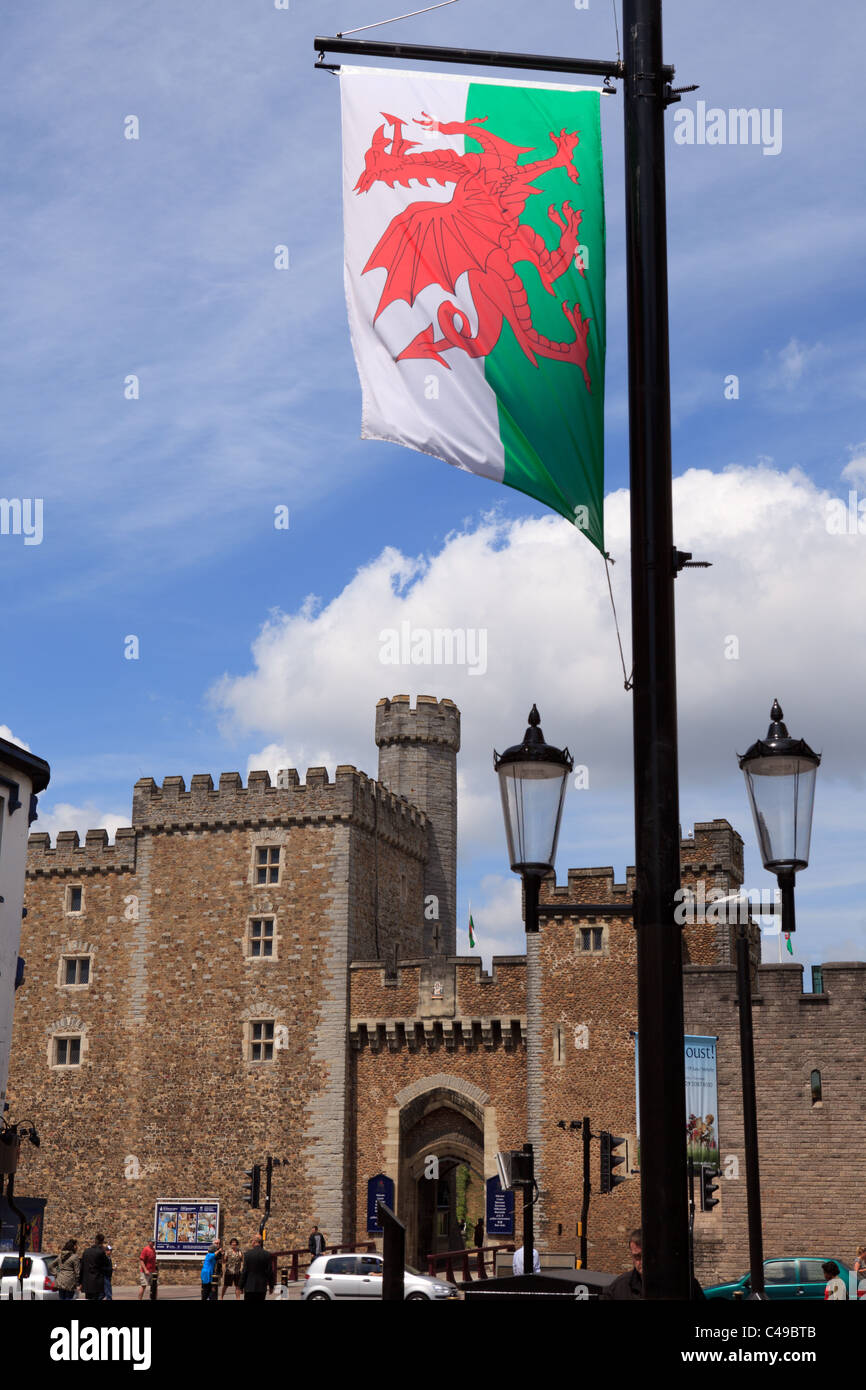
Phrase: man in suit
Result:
[257,1274]
[95,1268]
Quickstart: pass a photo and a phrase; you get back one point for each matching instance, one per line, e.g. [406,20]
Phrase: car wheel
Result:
[318,1297]
[414,1298]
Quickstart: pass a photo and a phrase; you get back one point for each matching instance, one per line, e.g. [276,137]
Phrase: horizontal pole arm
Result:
[482,57]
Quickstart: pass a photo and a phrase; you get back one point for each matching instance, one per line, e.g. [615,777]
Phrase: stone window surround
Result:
[68,909]
[591,926]
[248,1042]
[68,1031]
[558,1045]
[74,953]
[262,915]
[268,843]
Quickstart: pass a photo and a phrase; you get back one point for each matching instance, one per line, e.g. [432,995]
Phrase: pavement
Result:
[127,1293]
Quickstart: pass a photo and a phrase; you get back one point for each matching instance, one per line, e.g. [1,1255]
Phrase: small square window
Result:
[262,1041]
[261,937]
[76,970]
[67,1052]
[74,899]
[267,864]
[591,938]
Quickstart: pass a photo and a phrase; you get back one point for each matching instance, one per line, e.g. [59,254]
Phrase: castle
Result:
[262,969]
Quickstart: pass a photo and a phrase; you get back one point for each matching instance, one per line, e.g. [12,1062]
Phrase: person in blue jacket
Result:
[208,1273]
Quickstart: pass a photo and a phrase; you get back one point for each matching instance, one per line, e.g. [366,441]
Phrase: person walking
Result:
[146,1269]
[316,1244]
[234,1263]
[208,1274]
[95,1268]
[257,1275]
[835,1290]
[109,1274]
[68,1275]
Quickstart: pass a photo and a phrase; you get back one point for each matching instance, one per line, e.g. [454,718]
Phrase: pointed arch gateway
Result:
[441,1124]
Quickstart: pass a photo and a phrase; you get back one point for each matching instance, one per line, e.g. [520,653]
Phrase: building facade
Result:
[260,969]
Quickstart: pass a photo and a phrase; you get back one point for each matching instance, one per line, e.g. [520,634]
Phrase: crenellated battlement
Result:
[714,848]
[442,1001]
[427,721]
[780,986]
[352,796]
[588,886]
[70,856]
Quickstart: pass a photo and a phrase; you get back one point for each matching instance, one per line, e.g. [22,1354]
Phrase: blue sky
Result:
[260,647]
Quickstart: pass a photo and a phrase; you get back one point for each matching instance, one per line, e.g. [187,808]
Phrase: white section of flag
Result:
[451,414]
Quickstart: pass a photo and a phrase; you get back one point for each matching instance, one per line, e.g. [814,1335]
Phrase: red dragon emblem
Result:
[478,232]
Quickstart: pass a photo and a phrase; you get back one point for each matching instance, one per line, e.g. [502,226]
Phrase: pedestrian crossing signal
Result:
[611,1160]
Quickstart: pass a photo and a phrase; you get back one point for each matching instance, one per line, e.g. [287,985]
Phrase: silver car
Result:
[38,1285]
[360,1276]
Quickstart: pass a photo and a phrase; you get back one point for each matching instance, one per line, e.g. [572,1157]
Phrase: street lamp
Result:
[532,779]
[780,779]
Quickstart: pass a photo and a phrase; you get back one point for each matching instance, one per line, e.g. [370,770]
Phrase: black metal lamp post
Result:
[532,780]
[780,779]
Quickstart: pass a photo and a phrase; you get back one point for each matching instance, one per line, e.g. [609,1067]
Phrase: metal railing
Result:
[471,1261]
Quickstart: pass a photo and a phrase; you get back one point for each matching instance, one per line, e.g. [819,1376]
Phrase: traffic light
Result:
[708,1187]
[252,1187]
[611,1160]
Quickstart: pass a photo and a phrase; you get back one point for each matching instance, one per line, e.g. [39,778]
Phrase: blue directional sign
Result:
[500,1210]
[379,1189]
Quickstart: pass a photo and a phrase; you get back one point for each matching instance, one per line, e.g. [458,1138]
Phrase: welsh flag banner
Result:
[475,272]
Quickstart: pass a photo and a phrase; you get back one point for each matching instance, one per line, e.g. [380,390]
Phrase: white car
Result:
[39,1271]
[360,1276]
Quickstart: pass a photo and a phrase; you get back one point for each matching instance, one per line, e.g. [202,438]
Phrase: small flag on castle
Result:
[788,943]
[471,929]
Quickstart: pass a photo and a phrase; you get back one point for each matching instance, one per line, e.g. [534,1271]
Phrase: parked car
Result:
[39,1282]
[794,1277]
[360,1276]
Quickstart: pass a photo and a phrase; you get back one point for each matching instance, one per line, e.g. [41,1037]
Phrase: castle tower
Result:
[418,759]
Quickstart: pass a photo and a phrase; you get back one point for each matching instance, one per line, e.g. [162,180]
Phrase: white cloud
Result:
[783,594]
[63,816]
[6,732]
[855,468]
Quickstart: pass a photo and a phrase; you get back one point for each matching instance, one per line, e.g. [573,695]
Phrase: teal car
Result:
[789,1278]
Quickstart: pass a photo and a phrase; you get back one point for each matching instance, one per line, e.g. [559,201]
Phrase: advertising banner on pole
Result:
[701,1100]
[475,277]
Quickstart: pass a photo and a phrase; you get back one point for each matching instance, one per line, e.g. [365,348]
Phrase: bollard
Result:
[154,1284]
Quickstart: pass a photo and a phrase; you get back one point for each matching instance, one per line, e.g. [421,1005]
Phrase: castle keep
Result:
[271,969]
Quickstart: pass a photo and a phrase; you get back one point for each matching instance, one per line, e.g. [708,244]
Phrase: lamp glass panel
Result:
[532,798]
[781,795]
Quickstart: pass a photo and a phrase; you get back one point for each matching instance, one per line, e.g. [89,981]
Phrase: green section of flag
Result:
[788,941]
[551,427]
[471,931]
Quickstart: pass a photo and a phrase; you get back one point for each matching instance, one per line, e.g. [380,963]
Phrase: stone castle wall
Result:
[167,1101]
